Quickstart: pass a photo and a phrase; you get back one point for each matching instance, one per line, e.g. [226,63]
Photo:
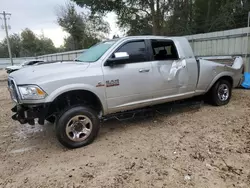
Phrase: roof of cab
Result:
[148,37]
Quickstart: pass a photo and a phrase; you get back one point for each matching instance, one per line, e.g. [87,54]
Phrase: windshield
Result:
[95,52]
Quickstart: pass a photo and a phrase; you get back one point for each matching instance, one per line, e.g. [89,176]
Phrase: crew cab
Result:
[116,76]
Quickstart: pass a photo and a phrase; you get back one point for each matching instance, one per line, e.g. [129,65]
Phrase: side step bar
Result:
[163,109]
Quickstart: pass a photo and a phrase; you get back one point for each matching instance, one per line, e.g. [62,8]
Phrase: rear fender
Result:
[219,76]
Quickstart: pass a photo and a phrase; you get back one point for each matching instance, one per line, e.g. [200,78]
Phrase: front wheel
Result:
[221,93]
[78,126]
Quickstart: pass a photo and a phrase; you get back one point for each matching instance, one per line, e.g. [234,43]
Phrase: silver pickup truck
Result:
[116,76]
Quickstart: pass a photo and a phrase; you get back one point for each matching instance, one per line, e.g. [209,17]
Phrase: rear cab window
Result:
[164,50]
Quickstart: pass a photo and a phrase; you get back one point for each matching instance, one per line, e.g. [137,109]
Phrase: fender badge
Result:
[111,83]
[100,84]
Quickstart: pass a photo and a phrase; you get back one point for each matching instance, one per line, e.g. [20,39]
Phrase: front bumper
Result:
[28,113]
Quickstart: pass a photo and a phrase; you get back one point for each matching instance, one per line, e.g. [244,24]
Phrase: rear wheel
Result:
[77,127]
[221,93]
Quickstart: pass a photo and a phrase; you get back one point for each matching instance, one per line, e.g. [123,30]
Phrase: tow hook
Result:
[16,117]
[14,109]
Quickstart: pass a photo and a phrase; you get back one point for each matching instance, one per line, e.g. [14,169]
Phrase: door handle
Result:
[144,70]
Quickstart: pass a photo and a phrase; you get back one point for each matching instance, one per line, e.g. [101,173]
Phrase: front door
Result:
[129,85]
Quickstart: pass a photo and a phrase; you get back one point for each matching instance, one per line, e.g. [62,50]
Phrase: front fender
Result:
[100,93]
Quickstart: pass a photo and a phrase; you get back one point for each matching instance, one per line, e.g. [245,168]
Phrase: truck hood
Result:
[14,67]
[39,73]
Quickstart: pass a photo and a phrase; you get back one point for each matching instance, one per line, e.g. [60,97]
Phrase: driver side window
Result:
[136,51]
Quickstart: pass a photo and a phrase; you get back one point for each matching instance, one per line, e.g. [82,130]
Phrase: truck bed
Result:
[227,60]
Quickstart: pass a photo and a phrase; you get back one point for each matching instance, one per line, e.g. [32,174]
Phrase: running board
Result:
[128,115]
[163,109]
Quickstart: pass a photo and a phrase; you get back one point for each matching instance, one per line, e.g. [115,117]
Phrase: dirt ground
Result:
[3,75]
[201,147]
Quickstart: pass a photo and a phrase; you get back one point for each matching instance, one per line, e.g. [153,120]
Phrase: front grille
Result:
[12,89]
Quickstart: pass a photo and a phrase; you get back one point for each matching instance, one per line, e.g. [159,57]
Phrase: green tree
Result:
[95,27]
[72,23]
[180,19]
[129,10]
[29,43]
[172,17]
[84,29]
[137,25]
[69,44]
[33,45]
[3,52]
[216,15]
[45,46]
[15,44]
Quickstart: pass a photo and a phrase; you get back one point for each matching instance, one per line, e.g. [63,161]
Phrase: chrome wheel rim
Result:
[223,92]
[79,128]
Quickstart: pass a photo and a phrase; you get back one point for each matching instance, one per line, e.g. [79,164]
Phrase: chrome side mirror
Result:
[119,58]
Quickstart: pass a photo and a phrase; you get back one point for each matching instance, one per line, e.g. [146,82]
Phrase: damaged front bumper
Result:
[28,113]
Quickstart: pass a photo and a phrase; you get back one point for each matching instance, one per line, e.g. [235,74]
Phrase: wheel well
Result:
[227,78]
[72,98]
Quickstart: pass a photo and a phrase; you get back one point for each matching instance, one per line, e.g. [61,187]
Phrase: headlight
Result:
[31,92]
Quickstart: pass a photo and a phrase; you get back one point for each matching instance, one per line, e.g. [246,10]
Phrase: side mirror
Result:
[120,58]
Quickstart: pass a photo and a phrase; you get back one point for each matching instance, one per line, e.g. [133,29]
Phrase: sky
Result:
[40,17]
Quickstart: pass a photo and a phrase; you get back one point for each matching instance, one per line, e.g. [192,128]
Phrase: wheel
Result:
[221,93]
[77,126]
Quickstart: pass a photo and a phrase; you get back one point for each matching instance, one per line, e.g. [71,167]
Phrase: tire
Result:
[219,96]
[78,126]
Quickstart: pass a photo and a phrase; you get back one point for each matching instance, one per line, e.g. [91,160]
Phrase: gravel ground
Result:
[200,147]
[3,75]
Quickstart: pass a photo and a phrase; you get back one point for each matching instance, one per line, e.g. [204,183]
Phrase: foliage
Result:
[45,46]
[84,29]
[115,36]
[3,52]
[173,17]
[137,17]
[27,44]
[15,43]
[33,45]
[130,12]
[214,15]
[72,23]
[69,44]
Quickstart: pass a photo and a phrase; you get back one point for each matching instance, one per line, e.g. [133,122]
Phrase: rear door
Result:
[129,85]
[170,74]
